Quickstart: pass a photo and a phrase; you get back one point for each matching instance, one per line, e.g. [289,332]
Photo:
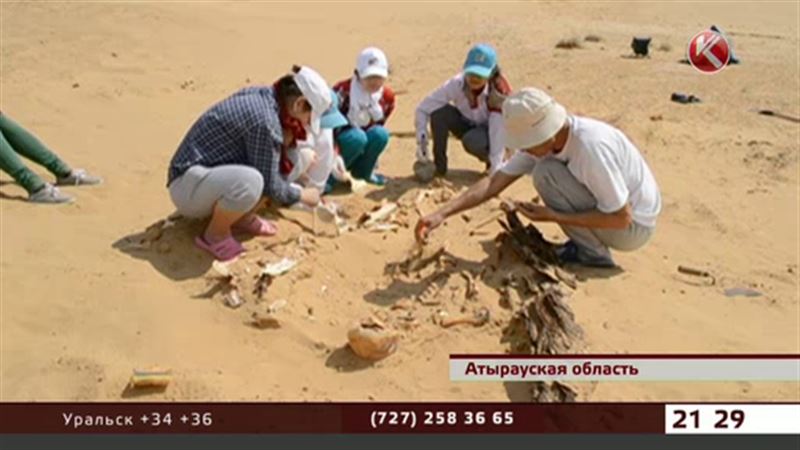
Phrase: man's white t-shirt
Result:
[603,159]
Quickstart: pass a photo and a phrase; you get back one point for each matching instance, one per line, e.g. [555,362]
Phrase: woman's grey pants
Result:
[562,192]
[235,187]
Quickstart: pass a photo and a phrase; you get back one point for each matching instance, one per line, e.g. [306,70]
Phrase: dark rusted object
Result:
[686,270]
[529,243]
[543,322]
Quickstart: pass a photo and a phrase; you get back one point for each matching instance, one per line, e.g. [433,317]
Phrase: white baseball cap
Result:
[315,89]
[531,117]
[372,61]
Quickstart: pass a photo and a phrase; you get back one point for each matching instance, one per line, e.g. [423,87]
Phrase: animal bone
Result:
[229,283]
[276,306]
[472,286]
[428,296]
[232,299]
[478,318]
[421,257]
[439,316]
[222,269]
[371,340]
[379,214]
[279,268]
[384,227]
[404,304]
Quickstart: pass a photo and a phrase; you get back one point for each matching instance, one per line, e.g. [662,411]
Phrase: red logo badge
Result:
[709,52]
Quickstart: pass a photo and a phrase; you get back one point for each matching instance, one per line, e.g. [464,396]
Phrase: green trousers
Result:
[16,140]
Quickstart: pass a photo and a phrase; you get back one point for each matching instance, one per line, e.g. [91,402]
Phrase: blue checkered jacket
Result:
[243,129]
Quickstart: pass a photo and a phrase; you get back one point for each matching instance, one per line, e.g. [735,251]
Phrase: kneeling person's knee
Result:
[353,140]
[476,142]
[378,136]
[244,191]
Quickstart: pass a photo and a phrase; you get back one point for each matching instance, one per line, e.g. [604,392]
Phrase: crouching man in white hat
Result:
[593,180]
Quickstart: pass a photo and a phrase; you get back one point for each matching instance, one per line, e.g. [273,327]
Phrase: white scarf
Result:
[364,107]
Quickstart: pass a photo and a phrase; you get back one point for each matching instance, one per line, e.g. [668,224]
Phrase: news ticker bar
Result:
[362,418]
[625,368]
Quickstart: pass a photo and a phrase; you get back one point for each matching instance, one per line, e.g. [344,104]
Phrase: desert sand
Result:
[113,87]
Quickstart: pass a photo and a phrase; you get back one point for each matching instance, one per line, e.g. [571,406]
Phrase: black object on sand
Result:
[641,45]
[684,98]
[769,112]
[732,59]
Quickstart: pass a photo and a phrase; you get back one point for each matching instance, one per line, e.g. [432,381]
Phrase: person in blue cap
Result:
[469,106]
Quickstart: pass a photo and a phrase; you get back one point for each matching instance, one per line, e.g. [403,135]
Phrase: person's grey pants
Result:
[562,192]
[474,138]
[235,187]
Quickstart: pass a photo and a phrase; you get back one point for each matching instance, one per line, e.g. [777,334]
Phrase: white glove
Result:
[339,170]
[376,111]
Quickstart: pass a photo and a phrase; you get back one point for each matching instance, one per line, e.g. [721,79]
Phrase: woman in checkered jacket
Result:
[230,158]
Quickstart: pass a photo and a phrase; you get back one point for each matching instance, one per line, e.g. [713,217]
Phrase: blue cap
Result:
[481,61]
[332,117]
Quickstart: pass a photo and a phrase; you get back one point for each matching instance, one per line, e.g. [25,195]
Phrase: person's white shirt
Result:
[608,164]
[452,92]
[317,147]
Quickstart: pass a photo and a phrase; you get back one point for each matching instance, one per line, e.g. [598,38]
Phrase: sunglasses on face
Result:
[474,79]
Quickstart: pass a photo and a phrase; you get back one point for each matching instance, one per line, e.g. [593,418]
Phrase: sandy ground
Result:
[113,88]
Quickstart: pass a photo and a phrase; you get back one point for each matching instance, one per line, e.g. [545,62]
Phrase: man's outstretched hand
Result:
[425,225]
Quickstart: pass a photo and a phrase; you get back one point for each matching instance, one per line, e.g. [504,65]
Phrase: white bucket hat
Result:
[372,61]
[315,89]
[531,117]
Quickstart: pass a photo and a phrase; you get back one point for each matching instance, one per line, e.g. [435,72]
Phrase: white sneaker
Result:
[78,177]
[50,194]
